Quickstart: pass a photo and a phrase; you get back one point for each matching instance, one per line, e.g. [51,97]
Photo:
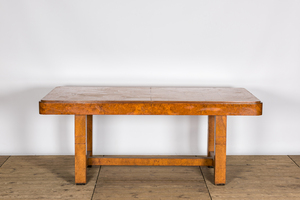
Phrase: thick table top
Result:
[142,100]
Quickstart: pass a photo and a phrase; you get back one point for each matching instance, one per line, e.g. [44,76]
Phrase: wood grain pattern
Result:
[248,177]
[211,135]
[150,101]
[83,102]
[259,160]
[157,189]
[80,149]
[220,150]
[296,159]
[43,177]
[3,159]
[89,136]
[150,108]
[137,182]
[129,94]
[139,161]
[256,177]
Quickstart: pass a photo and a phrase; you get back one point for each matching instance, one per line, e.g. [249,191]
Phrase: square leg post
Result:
[211,135]
[80,149]
[220,150]
[90,135]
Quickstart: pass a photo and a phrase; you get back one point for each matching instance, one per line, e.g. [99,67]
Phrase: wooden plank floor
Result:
[3,159]
[257,177]
[43,177]
[129,182]
[296,159]
[52,177]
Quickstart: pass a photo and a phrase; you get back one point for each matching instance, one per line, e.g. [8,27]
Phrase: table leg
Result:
[220,150]
[80,149]
[89,137]
[211,135]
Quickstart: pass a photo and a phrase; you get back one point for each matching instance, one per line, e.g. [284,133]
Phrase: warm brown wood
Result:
[89,136]
[179,161]
[212,155]
[150,108]
[80,149]
[217,103]
[150,101]
[133,94]
[211,134]
[220,150]
[88,155]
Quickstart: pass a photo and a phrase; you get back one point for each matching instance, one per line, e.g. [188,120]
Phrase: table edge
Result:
[151,101]
[150,108]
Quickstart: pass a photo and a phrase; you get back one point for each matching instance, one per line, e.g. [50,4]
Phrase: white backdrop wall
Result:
[251,44]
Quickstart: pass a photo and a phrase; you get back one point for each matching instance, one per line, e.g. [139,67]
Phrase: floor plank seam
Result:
[96,183]
[205,183]
[5,161]
[293,161]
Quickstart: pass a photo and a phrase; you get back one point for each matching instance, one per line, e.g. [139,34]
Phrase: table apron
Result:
[150,108]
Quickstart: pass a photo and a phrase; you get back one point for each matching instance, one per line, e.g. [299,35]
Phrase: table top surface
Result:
[84,94]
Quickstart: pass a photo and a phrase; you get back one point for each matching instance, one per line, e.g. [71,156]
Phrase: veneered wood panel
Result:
[179,161]
[93,94]
[150,101]
[157,108]
[84,102]
[89,134]
[196,94]
[170,94]
[220,150]
[211,135]
[80,149]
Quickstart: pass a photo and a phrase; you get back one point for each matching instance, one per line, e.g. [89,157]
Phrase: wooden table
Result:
[84,102]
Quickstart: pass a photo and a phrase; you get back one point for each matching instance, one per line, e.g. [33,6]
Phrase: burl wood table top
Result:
[151,100]
[178,94]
